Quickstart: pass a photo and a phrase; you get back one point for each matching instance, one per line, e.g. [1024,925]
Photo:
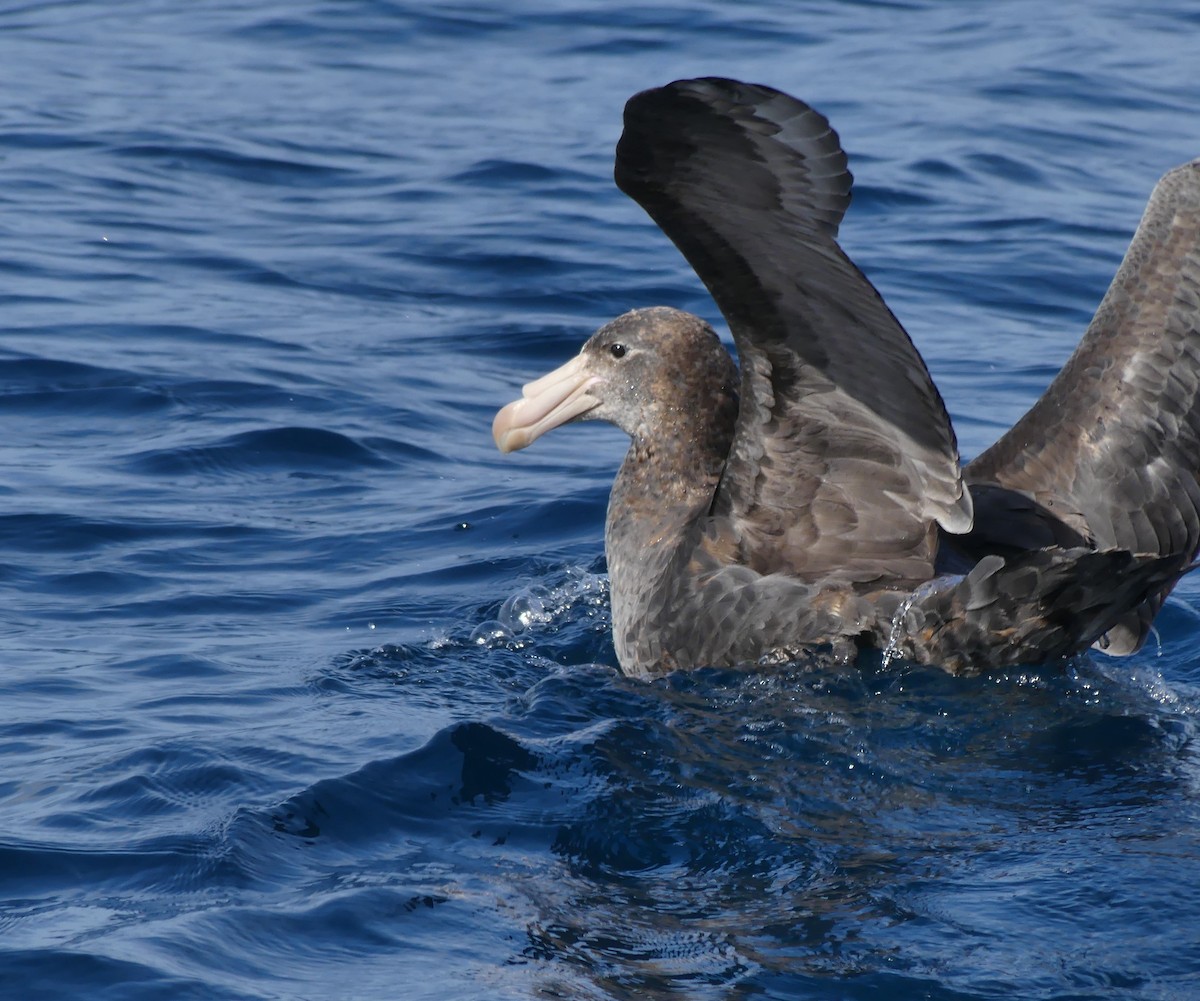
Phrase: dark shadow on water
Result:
[490,759]
[468,770]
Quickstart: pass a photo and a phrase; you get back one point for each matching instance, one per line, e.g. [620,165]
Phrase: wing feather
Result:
[838,413]
[1113,445]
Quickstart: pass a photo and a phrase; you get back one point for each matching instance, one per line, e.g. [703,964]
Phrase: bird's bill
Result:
[554,399]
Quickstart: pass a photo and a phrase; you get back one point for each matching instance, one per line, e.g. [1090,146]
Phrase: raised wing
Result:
[844,457]
[1113,446]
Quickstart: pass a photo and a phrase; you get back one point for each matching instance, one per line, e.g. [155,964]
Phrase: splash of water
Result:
[892,650]
[541,605]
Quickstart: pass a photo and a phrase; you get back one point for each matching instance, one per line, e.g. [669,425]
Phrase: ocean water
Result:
[306,692]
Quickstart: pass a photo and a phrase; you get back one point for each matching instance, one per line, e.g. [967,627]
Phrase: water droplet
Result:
[490,632]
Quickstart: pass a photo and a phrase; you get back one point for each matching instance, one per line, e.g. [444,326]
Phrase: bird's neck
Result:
[656,513]
[667,481]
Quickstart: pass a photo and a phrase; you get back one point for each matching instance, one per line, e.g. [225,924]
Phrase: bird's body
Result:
[816,499]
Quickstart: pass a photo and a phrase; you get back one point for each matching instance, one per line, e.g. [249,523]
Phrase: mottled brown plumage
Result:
[821,503]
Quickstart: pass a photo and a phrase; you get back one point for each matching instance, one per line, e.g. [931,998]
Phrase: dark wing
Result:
[844,456]
[1041,604]
[1113,446]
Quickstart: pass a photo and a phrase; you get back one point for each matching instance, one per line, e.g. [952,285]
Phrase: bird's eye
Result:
[617,350]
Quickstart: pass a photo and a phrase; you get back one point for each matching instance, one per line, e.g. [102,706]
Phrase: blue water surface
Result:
[306,692]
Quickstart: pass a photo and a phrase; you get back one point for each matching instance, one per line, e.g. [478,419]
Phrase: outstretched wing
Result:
[844,457]
[1113,446]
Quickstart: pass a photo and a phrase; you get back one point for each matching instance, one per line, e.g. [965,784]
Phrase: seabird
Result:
[814,502]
